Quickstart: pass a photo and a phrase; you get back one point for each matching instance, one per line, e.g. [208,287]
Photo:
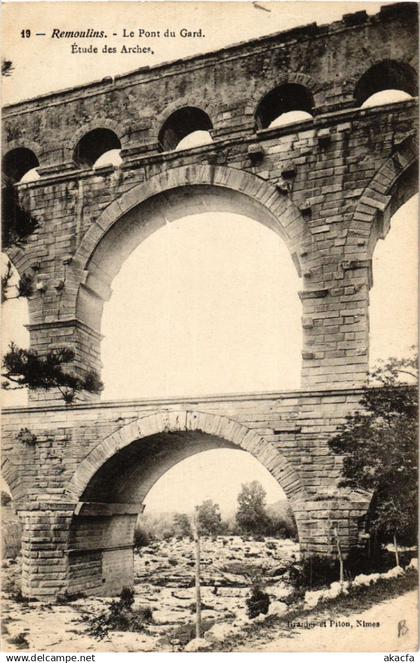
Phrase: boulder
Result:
[396,572]
[313,598]
[198,644]
[123,641]
[280,591]
[337,588]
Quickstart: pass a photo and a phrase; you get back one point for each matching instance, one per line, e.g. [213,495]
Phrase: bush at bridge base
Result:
[120,616]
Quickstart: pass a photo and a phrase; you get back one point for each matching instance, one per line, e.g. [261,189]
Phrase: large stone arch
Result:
[170,195]
[110,484]
[178,421]
[391,186]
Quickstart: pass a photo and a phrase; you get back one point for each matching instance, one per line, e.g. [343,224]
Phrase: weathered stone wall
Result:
[329,60]
[296,423]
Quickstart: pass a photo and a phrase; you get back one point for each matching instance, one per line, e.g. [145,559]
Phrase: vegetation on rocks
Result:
[20,641]
[120,616]
[255,520]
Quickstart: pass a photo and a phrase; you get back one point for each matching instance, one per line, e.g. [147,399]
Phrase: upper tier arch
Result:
[173,194]
[391,186]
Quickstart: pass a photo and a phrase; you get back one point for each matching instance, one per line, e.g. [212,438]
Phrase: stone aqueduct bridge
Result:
[328,186]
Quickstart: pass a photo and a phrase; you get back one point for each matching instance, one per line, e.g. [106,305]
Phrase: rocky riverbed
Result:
[164,582]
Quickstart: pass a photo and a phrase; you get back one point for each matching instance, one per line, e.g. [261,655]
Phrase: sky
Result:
[216,294]
[208,304]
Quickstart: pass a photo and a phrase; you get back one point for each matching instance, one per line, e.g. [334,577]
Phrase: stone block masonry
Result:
[327,186]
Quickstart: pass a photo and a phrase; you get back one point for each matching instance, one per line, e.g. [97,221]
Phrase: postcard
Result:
[209,329]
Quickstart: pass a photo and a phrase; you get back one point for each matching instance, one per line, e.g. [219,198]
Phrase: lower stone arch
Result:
[112,481]
[176,421]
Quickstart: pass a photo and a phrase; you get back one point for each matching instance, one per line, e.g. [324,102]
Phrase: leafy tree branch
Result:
[23,288]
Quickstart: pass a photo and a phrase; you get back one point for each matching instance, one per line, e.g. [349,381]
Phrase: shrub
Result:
[358,561]
[186,632]
[20,641]
[258,602]
[120,616]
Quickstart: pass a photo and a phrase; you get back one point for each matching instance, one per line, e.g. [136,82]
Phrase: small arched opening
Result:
[185,128]
[386,82]
[98,147]
[20,165]
[284,105]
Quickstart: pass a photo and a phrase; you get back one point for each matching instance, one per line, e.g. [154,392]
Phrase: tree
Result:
[27,369]
[282,520]
[23,288]
[209,518]
[378,444]
[252,516]
[23,368]
[182,525]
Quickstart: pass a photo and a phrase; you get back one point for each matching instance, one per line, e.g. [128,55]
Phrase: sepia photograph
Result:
[209,280]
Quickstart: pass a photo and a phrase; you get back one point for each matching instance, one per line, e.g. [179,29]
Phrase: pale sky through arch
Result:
[216,474]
